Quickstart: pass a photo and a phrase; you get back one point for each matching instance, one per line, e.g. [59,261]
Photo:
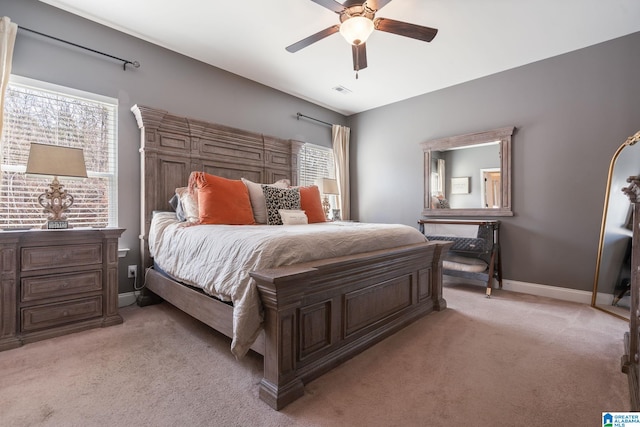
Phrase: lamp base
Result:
[56,225]
[326,206]
[56,201]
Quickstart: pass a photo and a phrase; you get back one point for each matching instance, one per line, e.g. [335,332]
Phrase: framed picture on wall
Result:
[460,185]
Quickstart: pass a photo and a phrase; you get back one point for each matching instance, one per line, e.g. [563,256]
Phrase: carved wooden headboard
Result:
[171,147]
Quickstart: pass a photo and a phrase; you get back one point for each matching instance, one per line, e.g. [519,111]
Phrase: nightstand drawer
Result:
[50,315]
[47,257]
[41,287]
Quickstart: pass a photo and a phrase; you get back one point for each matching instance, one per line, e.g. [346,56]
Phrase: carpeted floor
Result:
[512,360]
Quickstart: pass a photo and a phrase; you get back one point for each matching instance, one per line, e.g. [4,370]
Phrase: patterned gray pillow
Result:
[279,198]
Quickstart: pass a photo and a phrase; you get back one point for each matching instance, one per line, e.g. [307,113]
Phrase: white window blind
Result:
[316,162]
[43,113]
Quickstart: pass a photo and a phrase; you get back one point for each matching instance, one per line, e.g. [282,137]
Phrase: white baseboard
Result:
[565,294]
[126,299]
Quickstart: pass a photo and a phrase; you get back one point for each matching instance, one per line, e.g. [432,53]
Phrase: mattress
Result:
[218,258]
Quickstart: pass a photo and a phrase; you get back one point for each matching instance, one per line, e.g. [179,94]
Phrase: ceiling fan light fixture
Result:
[356,29]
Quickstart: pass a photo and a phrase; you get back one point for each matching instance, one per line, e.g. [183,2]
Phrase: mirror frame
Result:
[503,135]
[632,140]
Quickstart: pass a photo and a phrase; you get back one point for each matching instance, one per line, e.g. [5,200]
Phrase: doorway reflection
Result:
[491,184]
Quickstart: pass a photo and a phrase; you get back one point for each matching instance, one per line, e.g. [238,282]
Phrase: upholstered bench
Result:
[474,257]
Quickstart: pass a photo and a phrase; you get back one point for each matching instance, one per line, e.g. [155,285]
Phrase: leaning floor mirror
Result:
[613,265]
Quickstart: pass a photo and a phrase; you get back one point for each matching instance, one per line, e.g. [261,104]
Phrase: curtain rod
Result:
[136,64]
[311,118]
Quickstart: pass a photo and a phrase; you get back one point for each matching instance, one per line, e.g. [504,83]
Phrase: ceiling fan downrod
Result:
[357,62]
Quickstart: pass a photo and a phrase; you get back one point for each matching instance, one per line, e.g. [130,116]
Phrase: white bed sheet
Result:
[218,258]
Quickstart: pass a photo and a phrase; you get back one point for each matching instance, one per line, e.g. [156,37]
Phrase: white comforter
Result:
[218,258]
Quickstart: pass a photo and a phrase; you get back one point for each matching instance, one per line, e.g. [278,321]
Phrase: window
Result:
[43,113]
[316,162]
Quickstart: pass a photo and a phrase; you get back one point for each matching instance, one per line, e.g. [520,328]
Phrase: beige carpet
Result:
[512,360]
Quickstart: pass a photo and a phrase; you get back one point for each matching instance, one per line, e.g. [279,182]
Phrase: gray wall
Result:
[571,113]
[165,80]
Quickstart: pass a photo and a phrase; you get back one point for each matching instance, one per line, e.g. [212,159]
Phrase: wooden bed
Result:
[317,314]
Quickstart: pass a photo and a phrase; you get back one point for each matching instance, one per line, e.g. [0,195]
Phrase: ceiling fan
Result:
[357,23]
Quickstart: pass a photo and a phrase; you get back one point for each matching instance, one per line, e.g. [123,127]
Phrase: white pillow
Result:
[293,217]
[189,204]
[258,202]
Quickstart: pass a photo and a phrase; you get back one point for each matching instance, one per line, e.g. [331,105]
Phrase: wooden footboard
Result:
[319,314]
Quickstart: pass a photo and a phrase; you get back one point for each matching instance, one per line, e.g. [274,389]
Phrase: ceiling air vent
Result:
[341,89]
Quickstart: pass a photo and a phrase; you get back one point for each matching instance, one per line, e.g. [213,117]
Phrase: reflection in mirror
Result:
[613,264]
[468,175]
[491,181]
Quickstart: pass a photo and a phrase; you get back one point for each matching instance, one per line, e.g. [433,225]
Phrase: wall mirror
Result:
[468,175]
[613,262]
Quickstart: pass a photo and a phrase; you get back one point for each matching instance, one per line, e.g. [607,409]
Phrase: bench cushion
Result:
[462,263]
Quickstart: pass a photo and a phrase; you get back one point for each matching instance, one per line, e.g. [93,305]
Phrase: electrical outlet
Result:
[132,273]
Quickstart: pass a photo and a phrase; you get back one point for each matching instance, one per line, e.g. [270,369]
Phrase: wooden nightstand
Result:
[54,282]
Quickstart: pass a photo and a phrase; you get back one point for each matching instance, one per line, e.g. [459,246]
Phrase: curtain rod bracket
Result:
[135,64]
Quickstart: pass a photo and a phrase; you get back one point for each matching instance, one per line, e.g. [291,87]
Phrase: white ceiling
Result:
[476,38]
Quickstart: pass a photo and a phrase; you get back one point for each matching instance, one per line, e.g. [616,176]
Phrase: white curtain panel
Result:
[340,138]
[8,32]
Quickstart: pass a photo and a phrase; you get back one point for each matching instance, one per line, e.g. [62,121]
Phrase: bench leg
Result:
[492,264]
[499,259]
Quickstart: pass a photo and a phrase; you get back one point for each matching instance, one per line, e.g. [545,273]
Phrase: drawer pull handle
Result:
[65,285]
[65,313]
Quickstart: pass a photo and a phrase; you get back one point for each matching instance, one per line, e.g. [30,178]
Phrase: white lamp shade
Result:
[356,30]
[329,186]
[56,161]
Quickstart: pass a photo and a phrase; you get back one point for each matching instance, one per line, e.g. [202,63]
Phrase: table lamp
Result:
[57,161]
[329,186]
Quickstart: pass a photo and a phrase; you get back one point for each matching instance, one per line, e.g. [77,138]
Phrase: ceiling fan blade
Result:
[405,29]
[376,5]
[313,38]
[330,4]
[359,56]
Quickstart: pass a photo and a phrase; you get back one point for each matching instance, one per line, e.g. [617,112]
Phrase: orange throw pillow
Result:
[222,200]
[311,204]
